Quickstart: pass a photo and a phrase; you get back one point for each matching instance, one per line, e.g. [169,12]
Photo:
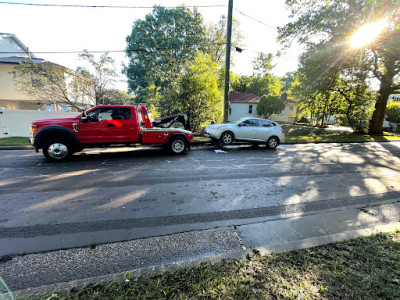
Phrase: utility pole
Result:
[228,60]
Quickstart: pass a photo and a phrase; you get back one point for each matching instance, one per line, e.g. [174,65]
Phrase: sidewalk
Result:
[64,269]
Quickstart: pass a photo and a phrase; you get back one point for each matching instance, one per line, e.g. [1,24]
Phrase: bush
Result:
[393,114]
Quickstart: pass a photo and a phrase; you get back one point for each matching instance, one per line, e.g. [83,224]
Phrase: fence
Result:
[16,122]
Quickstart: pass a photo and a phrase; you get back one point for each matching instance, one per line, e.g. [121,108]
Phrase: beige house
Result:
[245,105]
[12,52]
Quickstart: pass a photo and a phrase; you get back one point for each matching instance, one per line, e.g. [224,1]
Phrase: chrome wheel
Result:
[58,151]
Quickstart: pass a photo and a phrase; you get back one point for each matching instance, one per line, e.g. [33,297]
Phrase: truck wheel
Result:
[55,150]
[226,138]
[177,145]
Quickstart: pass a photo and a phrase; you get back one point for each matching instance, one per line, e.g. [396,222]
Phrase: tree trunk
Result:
[376,124]
[385,89]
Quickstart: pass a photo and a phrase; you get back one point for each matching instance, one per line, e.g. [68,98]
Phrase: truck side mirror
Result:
[84,117]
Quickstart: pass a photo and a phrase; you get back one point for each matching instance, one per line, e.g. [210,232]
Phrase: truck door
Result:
[109,125]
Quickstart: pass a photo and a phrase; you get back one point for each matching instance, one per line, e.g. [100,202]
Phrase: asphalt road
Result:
[106,196]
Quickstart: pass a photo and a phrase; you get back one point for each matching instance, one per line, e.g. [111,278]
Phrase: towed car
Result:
[253,130]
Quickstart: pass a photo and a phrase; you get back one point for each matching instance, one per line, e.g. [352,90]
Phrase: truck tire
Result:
[56,150]
[177,145]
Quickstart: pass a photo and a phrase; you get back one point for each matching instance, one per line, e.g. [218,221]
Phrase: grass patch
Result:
[14,141]
[201,139]
[362,268]
[298,133]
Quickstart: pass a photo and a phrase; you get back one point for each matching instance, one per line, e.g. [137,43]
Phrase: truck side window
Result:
[121,113]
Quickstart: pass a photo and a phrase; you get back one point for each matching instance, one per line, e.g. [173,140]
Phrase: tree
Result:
[160,45]
[393,113]
[325,27]
[100,76]
[198,90]
[215,40]
[287,81]
[50,83]
[261,82]
[117,97]
[56,84]
[270,105]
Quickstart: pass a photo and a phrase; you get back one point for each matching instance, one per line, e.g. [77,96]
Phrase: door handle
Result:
[110,125]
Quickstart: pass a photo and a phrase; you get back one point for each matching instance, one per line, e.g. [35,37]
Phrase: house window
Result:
[250,109]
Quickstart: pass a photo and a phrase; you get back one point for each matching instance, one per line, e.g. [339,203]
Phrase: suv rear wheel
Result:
[272,142]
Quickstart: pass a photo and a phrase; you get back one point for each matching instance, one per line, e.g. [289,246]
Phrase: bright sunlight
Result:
[366,34]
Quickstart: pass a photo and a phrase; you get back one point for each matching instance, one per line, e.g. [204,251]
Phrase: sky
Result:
[72,29]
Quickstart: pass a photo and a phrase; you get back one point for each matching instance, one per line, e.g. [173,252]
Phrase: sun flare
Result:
[367,33]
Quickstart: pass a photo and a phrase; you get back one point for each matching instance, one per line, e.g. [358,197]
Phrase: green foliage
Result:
[270,105]
[47,82]
[215,40]
[160,45]
[100,76]
[117,97]
[393,113]
[287,81]
[261,82]
[53,83]
[262,64]
[177,66]
[325,27]
[197,90]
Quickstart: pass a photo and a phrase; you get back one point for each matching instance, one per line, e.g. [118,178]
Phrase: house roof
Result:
[11,46]
[16,60]
[243,97]
[251,98]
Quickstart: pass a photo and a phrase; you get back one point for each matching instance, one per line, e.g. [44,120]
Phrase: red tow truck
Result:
[109,125]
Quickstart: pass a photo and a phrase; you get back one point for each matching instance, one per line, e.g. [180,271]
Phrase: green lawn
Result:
[14,141]
[362,268]
[297,133]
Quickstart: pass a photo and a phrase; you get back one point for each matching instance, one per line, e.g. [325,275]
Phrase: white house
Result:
[245,105]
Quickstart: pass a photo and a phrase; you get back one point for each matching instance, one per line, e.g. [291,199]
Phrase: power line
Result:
[103,6]
[111,51]
[254,19]
[134,7]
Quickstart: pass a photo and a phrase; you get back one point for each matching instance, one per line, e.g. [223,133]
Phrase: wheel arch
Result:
[277,137]
[174,135]
[55,132]
[227,130]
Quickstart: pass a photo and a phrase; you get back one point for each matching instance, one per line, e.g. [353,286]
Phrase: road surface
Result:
[106,196]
